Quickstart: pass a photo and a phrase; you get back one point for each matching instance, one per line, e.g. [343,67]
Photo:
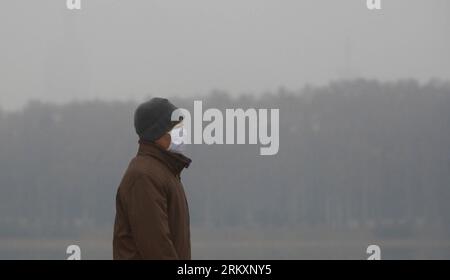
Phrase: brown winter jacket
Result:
[152,215]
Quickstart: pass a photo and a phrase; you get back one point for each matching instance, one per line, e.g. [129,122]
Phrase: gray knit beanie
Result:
[152,119]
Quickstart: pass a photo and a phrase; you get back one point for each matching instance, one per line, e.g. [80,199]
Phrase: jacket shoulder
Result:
[143,167]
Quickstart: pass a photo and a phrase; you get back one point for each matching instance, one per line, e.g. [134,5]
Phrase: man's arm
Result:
[147,214]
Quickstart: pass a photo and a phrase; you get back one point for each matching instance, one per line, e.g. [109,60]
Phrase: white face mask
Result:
[177,144]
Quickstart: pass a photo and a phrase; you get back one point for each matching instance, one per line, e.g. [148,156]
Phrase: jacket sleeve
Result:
[147,214]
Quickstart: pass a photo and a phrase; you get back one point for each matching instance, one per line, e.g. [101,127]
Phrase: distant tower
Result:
[347,70]
[66,64]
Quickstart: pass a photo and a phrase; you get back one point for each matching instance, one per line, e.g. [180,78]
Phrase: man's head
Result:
[152,121]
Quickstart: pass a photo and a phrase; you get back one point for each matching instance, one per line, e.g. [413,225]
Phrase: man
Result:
[152,215]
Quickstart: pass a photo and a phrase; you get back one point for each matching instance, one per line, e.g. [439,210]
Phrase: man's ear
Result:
[164,141]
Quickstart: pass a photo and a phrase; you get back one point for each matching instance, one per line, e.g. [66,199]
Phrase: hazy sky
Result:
[129,49]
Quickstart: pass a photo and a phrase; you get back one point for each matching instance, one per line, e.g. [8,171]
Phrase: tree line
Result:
[352,154]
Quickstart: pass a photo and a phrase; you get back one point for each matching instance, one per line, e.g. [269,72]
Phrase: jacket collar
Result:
[174,161]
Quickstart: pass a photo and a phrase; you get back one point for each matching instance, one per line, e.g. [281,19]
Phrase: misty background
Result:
[126,50]
[364,100]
